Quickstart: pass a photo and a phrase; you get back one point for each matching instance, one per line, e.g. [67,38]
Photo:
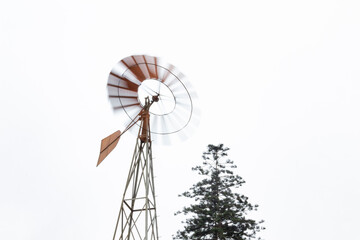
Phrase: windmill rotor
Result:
[134,78]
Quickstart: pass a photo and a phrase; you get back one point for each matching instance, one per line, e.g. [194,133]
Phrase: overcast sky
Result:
[278,83]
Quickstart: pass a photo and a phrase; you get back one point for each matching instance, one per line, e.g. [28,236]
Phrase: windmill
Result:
[158,103]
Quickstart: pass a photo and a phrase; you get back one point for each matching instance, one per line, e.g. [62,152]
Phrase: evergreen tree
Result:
[218,212]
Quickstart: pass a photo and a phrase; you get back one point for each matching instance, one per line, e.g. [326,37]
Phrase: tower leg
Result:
[137,218]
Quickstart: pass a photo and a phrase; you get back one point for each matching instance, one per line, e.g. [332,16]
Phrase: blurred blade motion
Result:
[107,145]
[136,77]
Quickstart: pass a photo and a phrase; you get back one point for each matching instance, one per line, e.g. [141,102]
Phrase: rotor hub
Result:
[162,97]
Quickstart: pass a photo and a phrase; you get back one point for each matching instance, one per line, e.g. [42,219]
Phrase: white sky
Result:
[278,82]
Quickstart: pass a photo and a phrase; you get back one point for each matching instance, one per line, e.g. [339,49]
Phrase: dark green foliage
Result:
[218,212]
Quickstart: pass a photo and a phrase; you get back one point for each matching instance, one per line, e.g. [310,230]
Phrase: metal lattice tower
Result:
[137,217]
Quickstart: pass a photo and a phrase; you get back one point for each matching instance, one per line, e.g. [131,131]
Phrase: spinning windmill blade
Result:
[136,77]
[158,103]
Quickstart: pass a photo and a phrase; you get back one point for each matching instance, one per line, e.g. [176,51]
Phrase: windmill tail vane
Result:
[109,143]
